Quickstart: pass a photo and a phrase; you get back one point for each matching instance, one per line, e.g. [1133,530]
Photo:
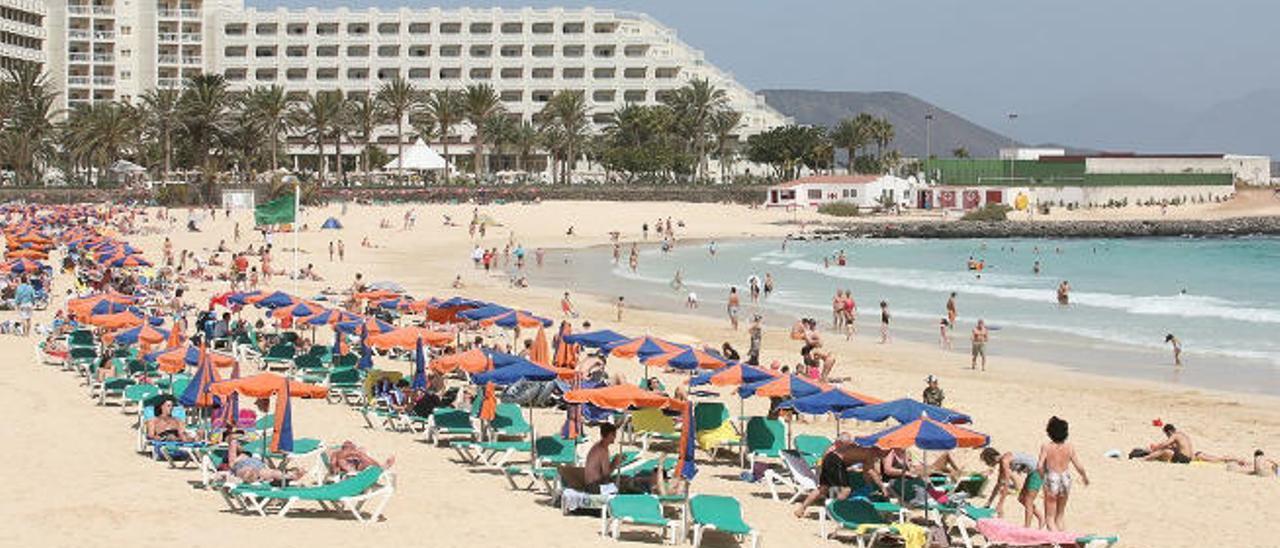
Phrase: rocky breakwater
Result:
[1242,226]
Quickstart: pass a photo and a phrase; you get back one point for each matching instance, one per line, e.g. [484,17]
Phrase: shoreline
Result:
[885,227]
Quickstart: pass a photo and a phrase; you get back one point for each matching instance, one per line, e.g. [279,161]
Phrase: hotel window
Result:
[388,73]
[511,51]
[512,73]
[357,74]
[419,28]
[544,28]
[512,96]
[389,51]
[326,29]
[450,28]
[481,28]
[573,28]
[419,51]
[452,50]
[512,28]
[573,51]
[815,194]
[603,95]
[481,73]
[419,73]
[450,73]
[388,29]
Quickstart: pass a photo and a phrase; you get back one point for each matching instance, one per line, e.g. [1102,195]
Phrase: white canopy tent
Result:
[417,157]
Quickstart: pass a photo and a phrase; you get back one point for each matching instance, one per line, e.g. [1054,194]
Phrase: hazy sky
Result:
[979,58]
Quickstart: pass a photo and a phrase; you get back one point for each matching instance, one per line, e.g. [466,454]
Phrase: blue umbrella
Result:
[239,296]
[510,374]
[483,312]
[512,319]
[905,410]
[831,401]
[282,437]
[276,300]
[419,368]
[197,392]
[326,317]
[738,373]
[107,307]
[461,302]
[366,355]
[595,339]
[502,359]
[331,223]
[788,386]
[360,323]
[687,461]
[130,336]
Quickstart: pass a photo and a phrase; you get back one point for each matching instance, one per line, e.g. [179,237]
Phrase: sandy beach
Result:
[75,479]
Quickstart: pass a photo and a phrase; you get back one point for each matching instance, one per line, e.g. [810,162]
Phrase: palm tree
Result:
[695,106]
[723,125]
[480,103]
[882,133]
[270,108]
[317,119]
[160,109]
[101,133]
[442,110]
[398,99]
[564,124]
[848,134]
[959,152]
[27,113]
[523,140]
[206,108]
[367,115]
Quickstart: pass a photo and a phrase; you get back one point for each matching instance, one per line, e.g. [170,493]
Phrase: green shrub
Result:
[989,212]
[839,209]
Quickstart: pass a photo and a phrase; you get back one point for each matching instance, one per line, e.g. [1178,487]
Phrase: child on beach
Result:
[1055,457]
[1008,466]
[884,322]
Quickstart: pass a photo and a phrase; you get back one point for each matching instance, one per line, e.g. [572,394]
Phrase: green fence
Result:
[994,172]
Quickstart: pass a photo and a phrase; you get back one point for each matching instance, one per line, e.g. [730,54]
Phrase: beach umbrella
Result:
[175,360]
[483,312]
[297,310]
[375,295]
[386,286]
[517,319]
[734,375]
[686,463]
[366,354]
[619,397]
[446,311]
[339,347]
[595,339]
[26,254]
[566,353]
[275,299]
[110,307]
[175,336]
[539,353]
[331,223]
[407,337]
[129,261]
[144,333]
[84,306]
[372,325]
[242,297]
[510,374]
[398,303]
[687,359]
[231,407]
[926,434]
[23,266]
[266,385]
[786,386]
[127,318]
[642,347]
[330,316]
[905,410]
[197,393]
[419,368]
[476,360]
[835,400]
[282,429]
[489,405]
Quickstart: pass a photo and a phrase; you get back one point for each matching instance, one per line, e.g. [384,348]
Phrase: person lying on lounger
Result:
[897,464]
[251,469]
[349,459]
[165,427]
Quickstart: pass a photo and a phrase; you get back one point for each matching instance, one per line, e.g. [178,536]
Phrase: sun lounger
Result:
[650,425]
[135,394]
[346,384]
[447,421]
[351,493]
[717,513]
[490,453]
[508,421]
[552,451]
[811,447]
[643,510]
[765,438]
[860,516]
[714,429]
[799,476]
[279,356]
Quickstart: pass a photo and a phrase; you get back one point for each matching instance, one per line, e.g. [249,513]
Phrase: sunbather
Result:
[833,472]
[1263,466]
[251,469]
[897,464]
[165,427]
[600,468]
[1177,449]
[349,459]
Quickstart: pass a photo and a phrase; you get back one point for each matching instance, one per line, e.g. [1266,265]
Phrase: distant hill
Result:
[905,111]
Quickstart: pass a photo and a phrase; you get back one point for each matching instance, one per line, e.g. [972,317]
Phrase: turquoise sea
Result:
[1221,297]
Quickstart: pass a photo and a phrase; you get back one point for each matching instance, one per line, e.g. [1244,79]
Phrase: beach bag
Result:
[1138,453]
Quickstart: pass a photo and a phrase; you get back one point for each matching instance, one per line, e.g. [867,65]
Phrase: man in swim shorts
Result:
[1176,448]
[979,343]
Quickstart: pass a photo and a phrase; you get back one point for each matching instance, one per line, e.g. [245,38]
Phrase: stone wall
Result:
[1049,229]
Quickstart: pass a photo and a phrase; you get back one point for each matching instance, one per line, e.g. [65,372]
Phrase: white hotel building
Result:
[22,32]
[118,49]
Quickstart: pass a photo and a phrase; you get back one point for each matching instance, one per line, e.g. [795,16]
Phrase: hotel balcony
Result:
[104,58]
[190,14]
[191,37]
[78,57]
[167,37]
[78,80]
[191,61]
[167,13]
[104,35]
[169,83]
[104,10]
[75,34]
[104,81]
[79,10]
[167,59]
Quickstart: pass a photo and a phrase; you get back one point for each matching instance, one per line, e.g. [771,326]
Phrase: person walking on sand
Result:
[978,344]
[1064,293]
[1177,348]
[331,249]
[733,306]
[342,251]
[566,307]
[951,310]
[944,337]
[884,322]
[618,307]
[1055,458]
[756,331]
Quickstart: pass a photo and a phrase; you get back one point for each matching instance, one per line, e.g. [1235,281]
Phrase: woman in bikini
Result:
[166,427]
[1055,457]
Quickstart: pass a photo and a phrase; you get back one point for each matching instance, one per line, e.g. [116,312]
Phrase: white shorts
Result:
[24,311]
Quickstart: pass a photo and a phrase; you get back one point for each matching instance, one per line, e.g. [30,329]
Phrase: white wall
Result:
[1252,170]
[1100,196]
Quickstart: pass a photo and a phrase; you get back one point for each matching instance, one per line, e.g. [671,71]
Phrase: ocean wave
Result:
[1187,306]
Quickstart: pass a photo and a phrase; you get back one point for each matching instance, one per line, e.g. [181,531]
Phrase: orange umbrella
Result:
[117,320]
[26,254]
[176,360]
[175,335]
[265,385]
[540,353]
[407,337]
[471,361]
[376,295]
[618,397]
[489,406]
[566,354]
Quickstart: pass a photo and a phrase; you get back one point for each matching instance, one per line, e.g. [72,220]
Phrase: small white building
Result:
[867,191]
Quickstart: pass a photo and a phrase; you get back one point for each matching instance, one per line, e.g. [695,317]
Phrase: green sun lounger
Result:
[447,421]
[645,510]
[351,494]
[508,421]
[280,355]
[718,513]
[811,447]
[859,516]
[766,438]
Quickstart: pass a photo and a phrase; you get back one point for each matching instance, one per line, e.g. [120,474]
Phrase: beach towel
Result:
[1002,532]
[709,439]
[913,536]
